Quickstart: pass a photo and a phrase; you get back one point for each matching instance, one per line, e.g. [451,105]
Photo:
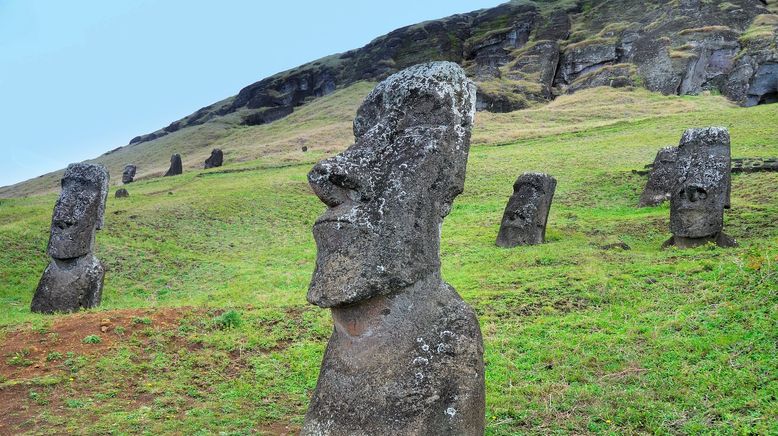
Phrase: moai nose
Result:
[696,193]
[333,183]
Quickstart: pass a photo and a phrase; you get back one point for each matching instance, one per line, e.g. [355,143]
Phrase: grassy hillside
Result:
[204,326]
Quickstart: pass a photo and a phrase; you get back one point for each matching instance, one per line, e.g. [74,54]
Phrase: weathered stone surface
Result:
[176,166]
[702,189]
[406,353]
[215,160]
[69,285]
[128,175]
[79,211]
[661,179]
[121,193]
[74,278]
[525,216]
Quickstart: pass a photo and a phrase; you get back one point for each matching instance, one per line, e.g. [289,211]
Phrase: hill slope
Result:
[207,328]
[521,54]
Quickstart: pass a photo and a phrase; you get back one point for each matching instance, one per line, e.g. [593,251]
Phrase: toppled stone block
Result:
[525,217]
[215,160]
[754,164]
[661,179]
[74,278]
[702,189]
[128,175]
[176,166]
[406,353]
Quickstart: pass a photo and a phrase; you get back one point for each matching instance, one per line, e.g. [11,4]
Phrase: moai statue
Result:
[121,193]
[74,277]
[176,167]
[215,160]
[406,353]
[128,175]
[702,189]
[661,180]
[525,216]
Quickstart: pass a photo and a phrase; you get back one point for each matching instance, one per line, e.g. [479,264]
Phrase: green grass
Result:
[579,340]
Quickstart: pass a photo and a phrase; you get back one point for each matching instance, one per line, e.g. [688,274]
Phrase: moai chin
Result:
[406,353]
[661,180]
[176,166]
[74,277]
[525,217]
[215,160]
[702,189]
[128,175]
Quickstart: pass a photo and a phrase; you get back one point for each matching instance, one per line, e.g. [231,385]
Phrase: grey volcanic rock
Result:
[215,160]
[176,166]
[525,216]
[702,189]
[74,278]
[661,179]
[69,285]
[754,165]
[128,175]
[121,193]
[406,353]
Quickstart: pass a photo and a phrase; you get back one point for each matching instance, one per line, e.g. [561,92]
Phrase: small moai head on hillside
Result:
[215,159]
[128,175]
[79,211]
[176,166]
[702,188]
[525,217]
[388,193]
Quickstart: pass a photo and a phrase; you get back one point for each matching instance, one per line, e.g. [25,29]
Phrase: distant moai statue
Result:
[74,277]
[406,353]
[121,193]
[128,175]
[702,189]
[661,179]
[176,166]
[525,217]
[215,160]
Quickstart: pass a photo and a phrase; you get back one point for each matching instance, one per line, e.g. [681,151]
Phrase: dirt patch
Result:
[279,430]
[30,353]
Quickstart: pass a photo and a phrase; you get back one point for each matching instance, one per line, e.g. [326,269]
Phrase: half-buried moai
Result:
[176,166]
[661,179]
[215,160]
[128,175]
[701,191]
[406,353]
[74,277]
[525,217]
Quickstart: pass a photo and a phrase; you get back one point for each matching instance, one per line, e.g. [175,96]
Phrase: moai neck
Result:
[368,317]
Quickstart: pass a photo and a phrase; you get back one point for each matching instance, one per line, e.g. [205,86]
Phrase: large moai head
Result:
[702,188]
[525,217]
[388,193]
[79,211]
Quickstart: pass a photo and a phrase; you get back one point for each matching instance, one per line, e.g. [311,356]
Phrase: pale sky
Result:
[81,77]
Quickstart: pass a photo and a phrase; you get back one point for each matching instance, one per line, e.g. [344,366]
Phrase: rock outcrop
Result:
[661,179]
[128,174]
[176,166]
[216,159]
[74,277]
[702,189]
[406,353]
[520,53]
[525,217]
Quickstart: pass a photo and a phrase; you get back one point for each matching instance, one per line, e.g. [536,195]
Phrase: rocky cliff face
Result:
[524,52]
